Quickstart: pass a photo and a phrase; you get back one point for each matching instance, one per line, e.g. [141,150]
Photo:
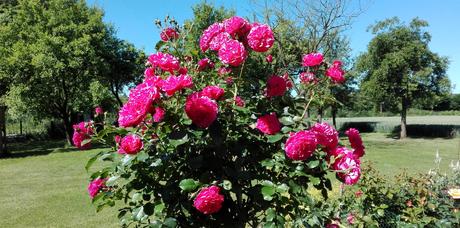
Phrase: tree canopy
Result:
[399,67]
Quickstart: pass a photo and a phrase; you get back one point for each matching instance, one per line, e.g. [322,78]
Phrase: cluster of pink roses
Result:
[313,61]
[231,38]
[82,131]
[96,186]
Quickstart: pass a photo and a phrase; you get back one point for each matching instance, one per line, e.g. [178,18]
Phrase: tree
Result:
[48,50]
[399,68]
[122,65]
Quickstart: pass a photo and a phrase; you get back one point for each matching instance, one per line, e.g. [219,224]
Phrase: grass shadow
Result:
[427,131]
[37,148]
[363,127]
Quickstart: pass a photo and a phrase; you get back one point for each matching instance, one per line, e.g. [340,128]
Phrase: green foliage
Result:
[399,68]
[401,201]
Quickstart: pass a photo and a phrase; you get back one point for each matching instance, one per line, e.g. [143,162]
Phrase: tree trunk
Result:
[68,128]
[320,115]
[334,116]
[403,133]
[3,150]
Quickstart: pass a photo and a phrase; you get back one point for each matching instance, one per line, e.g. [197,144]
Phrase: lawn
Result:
[44,184]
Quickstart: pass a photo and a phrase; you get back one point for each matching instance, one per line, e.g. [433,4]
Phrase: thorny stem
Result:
[307,105]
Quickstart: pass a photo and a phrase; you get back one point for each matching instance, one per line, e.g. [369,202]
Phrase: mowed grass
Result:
[44,184]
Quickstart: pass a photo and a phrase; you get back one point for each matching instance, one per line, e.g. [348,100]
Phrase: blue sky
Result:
[134,19]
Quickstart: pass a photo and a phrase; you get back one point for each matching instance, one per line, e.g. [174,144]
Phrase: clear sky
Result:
[134,19]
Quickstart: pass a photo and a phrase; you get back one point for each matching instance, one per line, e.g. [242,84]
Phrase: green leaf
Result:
[286,129]
[188,185]
[274,138]
[227,185]
[313,164]
[111,181]
[315,180]
[282,188]
[270,214]
[287,120]
[178,142]
[159,208]
[91,161]
[380,212]
[170,222]
[86,141]
[138,213]
[268,192]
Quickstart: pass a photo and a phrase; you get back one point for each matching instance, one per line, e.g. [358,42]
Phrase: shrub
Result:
[221,144]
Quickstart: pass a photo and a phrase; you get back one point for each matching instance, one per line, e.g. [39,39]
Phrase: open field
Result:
[44,183]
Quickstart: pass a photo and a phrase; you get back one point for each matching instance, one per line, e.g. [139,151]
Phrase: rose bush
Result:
[205,140]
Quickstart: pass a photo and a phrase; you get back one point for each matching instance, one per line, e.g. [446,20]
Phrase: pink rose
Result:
[336,74]
[224,71]
[308,78]
[130,144]
[139,102]
[276,86]
[204,64]
[350,219]
[300,145]
[260,38]
[175,83]
[356,142]
[239,101]
[232,53]
[98,110]
[349,167]
[82,131]
[149,72]
[269,58]
[159,114]
[213,92]
[236,26]
[268,124]
[95,186]
[182,71]
[209,200]
[164,61]
[201,110]
[219,40]
[326,135]
[169,34]
[209,34]
[312,59]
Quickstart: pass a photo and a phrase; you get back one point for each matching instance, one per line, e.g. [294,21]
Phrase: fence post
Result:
[3,150]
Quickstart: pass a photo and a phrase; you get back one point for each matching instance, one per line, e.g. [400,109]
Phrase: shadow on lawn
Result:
[364,127]
[427,131]
[37,148]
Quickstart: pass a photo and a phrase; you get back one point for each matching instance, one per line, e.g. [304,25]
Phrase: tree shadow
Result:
[429,131]
[363,127]
[37,148]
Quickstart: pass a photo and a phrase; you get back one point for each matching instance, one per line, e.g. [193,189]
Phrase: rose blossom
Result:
[236,26]
[232,53]
[276,86]
[82,131]
[219,40]
[169,34]
[229,81]
[355,141]
[268,124]
[300,145]
[224,71]
[139,102]
[209,200]
[213,92]
[164,61]
[269,58]
[176,83]
[350,219]
[95,186]
[260,38]
[288,81]
[98,110]
[182,70]
[239,101]
[209,34]
[326,135]
[159,114]
[308,78]
[336,74]
[130,144]
[338,152]
[312,59]
[204,64]
[349,167]
[149,72]
[201,110]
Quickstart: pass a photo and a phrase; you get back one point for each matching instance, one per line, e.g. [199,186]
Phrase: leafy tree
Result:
[399,68]
[122,65]
[48,50]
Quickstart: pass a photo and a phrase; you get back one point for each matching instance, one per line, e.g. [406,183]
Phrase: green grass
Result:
[44,184]
[48,188]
